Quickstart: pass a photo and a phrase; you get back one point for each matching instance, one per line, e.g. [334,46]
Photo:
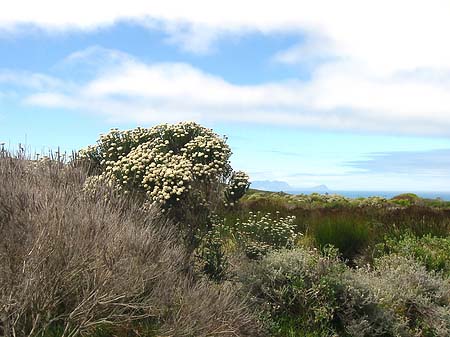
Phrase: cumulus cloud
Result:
[336,97]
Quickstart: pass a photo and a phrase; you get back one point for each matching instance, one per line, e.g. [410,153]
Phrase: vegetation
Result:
[184,168]
[433,252]
[307,293]
[151,233]
[73,264]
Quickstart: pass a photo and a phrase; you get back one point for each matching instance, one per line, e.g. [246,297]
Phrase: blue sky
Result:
[308,93]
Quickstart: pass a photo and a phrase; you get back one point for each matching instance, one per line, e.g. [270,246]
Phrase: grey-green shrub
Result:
[399,297]
[305,292]
[297,288]
[432,251]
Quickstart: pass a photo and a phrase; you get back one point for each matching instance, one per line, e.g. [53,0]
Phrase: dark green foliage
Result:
[211,254]
[349,234]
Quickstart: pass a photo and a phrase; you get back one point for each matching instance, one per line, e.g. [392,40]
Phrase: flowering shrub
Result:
[162,161]
[263,232]
[183,167]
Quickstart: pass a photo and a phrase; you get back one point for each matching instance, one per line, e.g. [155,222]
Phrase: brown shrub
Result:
[78,263]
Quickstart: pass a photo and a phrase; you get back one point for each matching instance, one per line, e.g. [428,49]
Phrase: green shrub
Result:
[433,252]
[211,254]
[349,234]
[256,236]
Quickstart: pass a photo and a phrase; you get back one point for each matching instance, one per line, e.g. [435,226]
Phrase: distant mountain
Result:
[282,186]
[273,186]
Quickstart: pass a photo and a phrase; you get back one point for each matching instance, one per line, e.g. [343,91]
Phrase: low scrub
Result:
[306,293]
[399,297]
[297,288]
[74,265]
[431,251]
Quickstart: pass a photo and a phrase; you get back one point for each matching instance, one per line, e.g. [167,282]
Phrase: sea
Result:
[386,194]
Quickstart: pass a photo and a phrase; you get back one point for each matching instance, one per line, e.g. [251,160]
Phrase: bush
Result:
[261,233]
[74,265]
[432,251]
[398,298]
[183,167]
[163,162]
[297,288]
[349,234]
[211,254]
[305,293]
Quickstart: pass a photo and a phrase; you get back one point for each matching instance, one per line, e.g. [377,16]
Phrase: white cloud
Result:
[338,96]
[377,65]
[385,35]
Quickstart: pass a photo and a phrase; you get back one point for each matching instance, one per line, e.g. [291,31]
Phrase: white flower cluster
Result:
[163,162]
[237,186]
[114,146]
[263,232]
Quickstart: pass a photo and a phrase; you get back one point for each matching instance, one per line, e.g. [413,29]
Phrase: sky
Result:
[352,94]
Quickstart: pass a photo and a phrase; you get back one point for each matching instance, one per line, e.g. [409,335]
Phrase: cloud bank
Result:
[123,88]
[376,65]
[383,35]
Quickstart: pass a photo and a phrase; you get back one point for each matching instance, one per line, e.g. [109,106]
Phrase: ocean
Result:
[386,194]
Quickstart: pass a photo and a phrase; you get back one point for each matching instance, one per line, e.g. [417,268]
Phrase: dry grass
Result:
[78,263]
